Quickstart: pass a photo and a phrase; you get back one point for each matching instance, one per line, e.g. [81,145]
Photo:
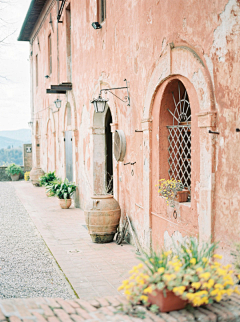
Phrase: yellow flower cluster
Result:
[27,175]
[168,189]
[200,283]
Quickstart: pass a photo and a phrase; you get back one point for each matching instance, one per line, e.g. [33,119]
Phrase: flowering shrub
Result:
[27,175]
[168,189]
[197,277]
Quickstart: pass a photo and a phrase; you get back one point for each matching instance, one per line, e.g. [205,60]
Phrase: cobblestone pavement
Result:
[27,269]
[110,309]
[94,270]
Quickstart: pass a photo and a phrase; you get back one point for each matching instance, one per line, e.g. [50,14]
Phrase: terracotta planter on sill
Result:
[169,303]
[65,203]
[182,196]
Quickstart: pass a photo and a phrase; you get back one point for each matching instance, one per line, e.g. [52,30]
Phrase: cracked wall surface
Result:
[147,42]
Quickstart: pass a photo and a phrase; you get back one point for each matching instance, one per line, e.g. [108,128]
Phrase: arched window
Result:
[179,138]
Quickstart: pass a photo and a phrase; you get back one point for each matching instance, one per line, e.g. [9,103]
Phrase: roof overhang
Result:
[31,18]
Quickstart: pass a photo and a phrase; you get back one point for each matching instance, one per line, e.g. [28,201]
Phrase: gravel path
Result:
[27,269]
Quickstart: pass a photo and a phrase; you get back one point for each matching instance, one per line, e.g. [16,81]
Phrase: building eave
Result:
[31,19]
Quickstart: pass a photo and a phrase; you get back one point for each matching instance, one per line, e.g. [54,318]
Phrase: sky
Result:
[14,67]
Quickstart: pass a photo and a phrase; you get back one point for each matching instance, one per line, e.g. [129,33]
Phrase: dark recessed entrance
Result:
[109,158]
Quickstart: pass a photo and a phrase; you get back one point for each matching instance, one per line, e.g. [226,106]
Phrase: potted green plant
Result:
[46,179]
[172,190]
[171,280]
[14,171]
[63,190]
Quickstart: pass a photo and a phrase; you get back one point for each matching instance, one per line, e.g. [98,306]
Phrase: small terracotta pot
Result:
[65,203]
[169,303]
[182,196]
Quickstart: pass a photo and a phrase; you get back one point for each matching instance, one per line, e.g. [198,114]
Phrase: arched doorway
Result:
[38,147]
[102,153]
[68,143]
[50,148]
[108,153]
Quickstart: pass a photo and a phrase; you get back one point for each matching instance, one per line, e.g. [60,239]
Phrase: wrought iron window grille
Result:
[179,140]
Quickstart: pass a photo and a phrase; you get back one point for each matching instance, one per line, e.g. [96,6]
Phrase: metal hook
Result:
[175,214]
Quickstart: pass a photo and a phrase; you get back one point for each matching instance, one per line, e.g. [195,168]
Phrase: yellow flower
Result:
[205,260]
[221,272]
[197,301]
[239,276]
[218,297]
[127,292]
[177,268]
[147,290]
[120,288]
[214,292]
[205,275]
[125,282]
[179,290]
[210,283]
[218,286]
[196,285]
[143,297]
[217,256]
[236,290]
[168,253]
[161,270]
[193,261]
[199,270]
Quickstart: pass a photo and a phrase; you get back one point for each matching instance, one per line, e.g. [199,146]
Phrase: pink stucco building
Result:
[181,61]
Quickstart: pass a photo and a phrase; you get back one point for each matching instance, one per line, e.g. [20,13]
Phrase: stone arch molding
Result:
[50,119]
[183,61]
[73,116]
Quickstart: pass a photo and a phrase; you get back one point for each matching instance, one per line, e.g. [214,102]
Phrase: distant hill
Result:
[6,143]
[23,135]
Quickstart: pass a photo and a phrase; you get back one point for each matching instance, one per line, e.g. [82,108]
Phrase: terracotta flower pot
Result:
[65,203]
[182,196]
[15,177]
[169,303]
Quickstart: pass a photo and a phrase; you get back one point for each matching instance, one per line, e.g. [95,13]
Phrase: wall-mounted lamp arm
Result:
[127,98]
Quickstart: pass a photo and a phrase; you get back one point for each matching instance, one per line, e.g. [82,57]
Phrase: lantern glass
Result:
[58,103]
[99,104]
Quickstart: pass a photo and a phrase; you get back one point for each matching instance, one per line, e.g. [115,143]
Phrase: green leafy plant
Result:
[47,178]
[168,189]
[14,169]
[62,189]
[191,272]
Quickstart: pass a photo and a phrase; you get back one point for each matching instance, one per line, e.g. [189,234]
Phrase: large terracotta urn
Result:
[35,174]
[102,215]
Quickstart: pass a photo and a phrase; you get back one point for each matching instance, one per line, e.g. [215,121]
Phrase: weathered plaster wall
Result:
[131,44]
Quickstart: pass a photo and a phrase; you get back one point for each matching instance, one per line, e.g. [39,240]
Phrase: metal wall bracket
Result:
[126,98]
